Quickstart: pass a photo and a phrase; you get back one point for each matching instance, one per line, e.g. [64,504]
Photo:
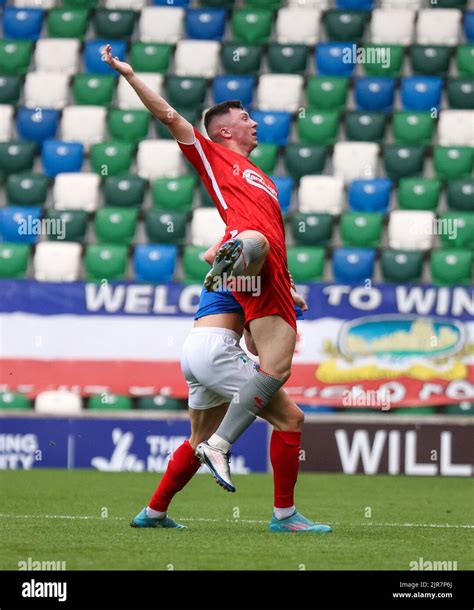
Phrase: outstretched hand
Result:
[299,300]
[122,67]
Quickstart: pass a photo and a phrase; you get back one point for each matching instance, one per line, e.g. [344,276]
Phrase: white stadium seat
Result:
[440,26]
[411,230]
[280,92]
[127,99]
[161,24]
[43,4]
[134,5]
[321,194]
[86,124]
[76,191]
[57,261]
[159,159]
[353,160]
[298,26]
[207,227]
[57,55]
[6,122]
[456,128]
[58,402]
[197,58]
[392,26]
[321,5]
[414,5]
[46,90]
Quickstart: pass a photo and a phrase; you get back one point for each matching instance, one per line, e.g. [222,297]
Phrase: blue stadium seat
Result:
[421,92]
[374,93]
[331,60]
[370,195]
[353,265]
[273,127]
[355,5]
[22,23]
[469,25]
[93,55]
[17,224]
[155,263]
[59,156]
[233,87]
[284,186]
[37,124]
[184,3]
[206,23]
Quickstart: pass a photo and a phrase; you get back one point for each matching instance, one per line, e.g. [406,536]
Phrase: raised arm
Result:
[181,129]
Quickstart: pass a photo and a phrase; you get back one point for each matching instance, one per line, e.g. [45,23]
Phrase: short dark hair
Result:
[219,109]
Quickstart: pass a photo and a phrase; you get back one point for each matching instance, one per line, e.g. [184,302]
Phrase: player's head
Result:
[230,122]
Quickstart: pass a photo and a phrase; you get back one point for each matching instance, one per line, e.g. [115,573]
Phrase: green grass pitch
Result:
[379,522]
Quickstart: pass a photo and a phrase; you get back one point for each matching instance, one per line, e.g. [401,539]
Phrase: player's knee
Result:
[294,418]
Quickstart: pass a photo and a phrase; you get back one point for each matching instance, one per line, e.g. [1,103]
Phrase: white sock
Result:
[154,514]
[219,443]
[283,513]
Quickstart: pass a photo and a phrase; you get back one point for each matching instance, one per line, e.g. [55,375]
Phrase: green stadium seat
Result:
[74,222]
[239,58]
[150,57]
[186,92]
[15,56]
[401,266]
[345,26]
[114,24]
[105,262]
[460,4]
[312,229]
[419,193]
[94,89]
[165,226]
[361,230]
[270,4]
[431,60]
[365,126]
[457,230]
[115,225]
[193,115]
[463,408]
[85,4]
[124,191]
[14,400]
[327,92]
[415,411]
[401,161]
[109,402]
[161,403]
[111,157]
[67,22]
[460,92]
[16,157]
[194,266]
[460,195]
[218,3]
[318,126]
[306,263]
[412,128]
[465,59]
[387,64]
[304,159]
[451,267]
[13,261]
[129,125]
[452,161]
[265,156]
[10,88]
[205,198]
[173,193]
[287,58]
[252,25]
[27,189]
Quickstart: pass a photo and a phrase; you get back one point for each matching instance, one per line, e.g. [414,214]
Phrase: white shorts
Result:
[214,366]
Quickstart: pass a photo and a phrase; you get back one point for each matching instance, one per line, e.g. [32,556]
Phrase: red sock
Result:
[182,466]
[284,456]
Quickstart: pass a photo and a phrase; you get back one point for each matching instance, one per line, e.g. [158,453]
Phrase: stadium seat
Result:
[46,90]
[460,195]
[165,226]
[343,25]
[173,193]
[15,56]
[451,267]
[265,156]
[105,262]
[419,193]
[465,59]
[319,4]
[331,59]
[115,225]
[207,227]
[17,224]
[306,263]
[134,5]
[6,122]
[279,92]
[456,128]
[415,128]
[460,92]
[365,126]
[238,58]
[67,23]
[129,125]
[161,24]
[151,57]
[284,186]
[457,230]
[93,89]
[111,158]
[58,156]
[124,191]
[42,4]
[37,125]
[194,265]
[462,408]
[93,52]
[183,92]
[461,4]
[171,3]
[57,261]
[74,223]
[160,402]
[317,126]
[10,88]
[442,26]
[158,159]
[58,402]
[252,25]
[327,92]
[298,26]
[355,5]
[205,23]
[82,3]
[452,162]
[127,99]
[303,159]
[370,195]
[273,127]
[392,26]
[287,59]
[312,229]
[13,263]
[197,58]
[17,156]
[403,161]
[374,93]
[24,24]
[361,229]
[468,26]
[114,24]
[85,124]
[353,160]
[321,194]
[27,189]
[422,93]
[76,191]
[233,87]
[353,265]
[155,263]
[430,59]
[57,55]
[271,4]
[383,59]
[14,400]
[401,267]
[109,402]
[411,230]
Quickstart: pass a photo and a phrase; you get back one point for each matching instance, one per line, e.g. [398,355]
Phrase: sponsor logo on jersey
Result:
[255,179]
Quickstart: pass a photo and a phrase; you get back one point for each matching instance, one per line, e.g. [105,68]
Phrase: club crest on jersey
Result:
[255,179]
